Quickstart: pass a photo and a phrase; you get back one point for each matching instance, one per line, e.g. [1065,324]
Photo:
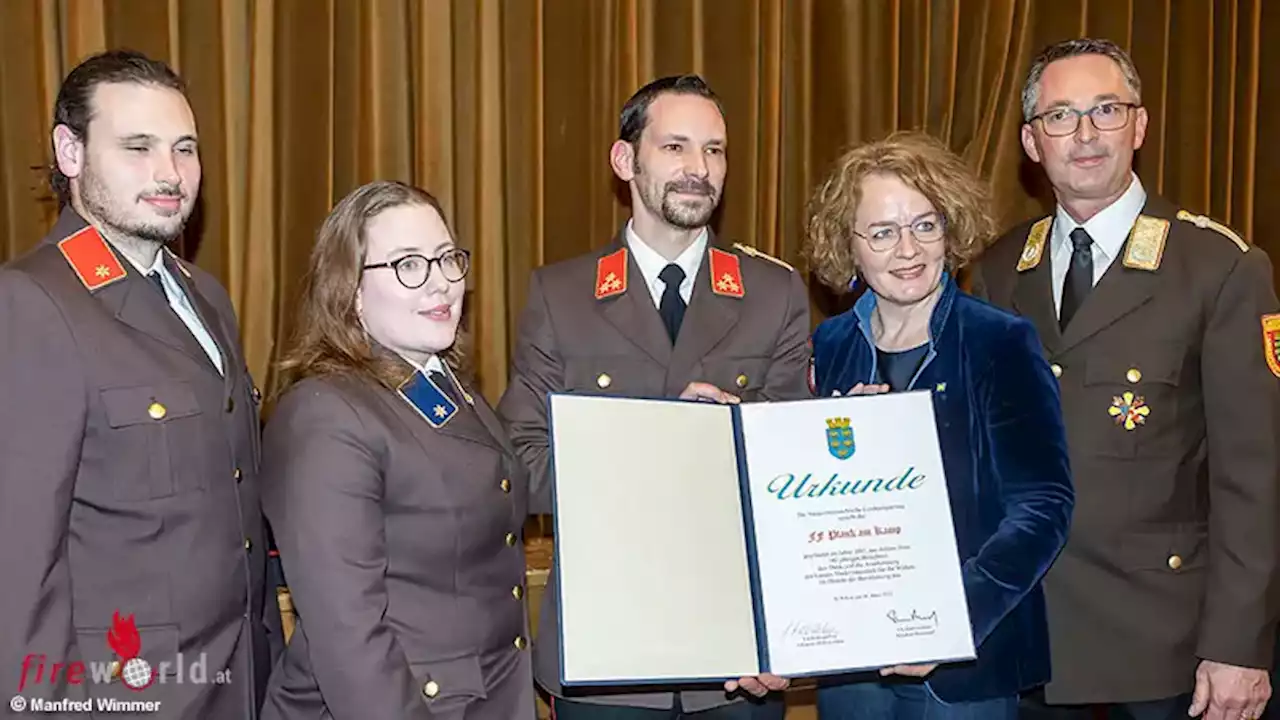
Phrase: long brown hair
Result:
[329,337]
[922,162]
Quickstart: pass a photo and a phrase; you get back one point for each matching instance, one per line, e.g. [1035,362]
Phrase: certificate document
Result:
[699,542]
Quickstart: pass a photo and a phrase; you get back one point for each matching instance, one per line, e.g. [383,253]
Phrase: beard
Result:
[98,202]
[685,214]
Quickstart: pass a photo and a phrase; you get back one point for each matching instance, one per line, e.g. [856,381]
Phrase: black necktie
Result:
[446,386]
[154,277]
[671,307]
[158,282]
[1079,276]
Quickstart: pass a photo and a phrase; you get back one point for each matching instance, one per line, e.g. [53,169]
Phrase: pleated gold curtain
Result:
[506,108]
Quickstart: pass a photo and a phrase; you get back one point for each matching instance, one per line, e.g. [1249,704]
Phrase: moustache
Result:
[164,191]
[693,187]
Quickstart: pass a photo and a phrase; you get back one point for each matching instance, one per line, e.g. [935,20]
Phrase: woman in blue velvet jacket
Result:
[900,216]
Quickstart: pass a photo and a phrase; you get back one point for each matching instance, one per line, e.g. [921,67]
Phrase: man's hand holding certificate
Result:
[702,542]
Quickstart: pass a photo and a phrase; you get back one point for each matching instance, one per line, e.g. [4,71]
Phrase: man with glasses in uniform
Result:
[1162,327]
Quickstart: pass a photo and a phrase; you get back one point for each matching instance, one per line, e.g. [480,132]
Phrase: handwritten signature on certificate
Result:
[914,617]
[803,634]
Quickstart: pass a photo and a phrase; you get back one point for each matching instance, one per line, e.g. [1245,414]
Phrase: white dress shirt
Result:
[182,306]
[1109,230]
[651,264]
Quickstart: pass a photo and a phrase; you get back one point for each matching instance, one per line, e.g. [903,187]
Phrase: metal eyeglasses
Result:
[883,237]
[413,270]
[1105,116]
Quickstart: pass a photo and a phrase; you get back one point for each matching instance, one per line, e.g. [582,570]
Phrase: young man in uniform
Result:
[131,537]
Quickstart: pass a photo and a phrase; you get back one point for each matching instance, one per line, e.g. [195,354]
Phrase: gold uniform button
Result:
[520,642]
[157,411]
[741,381]
[237,474]
[505,485]
[1134,375]
[1175,562]
[431,689]
[1057,370]
[517,592]
[603,380]
[248,544]
[511,539]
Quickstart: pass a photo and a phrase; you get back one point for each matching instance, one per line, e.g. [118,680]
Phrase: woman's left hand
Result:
[909,670]
[759,686]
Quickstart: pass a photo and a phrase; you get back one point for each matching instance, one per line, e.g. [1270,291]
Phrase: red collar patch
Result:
[92,259]
[611,274]
[726,274]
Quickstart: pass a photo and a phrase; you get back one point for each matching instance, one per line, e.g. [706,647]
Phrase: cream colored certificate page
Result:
[649,536]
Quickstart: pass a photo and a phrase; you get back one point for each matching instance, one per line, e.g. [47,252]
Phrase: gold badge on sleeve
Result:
[1271,341]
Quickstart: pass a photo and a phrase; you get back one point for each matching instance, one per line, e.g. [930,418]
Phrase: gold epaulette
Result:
[762,255]
[1201,221]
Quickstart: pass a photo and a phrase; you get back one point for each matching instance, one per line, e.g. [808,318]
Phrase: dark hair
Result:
[1075,48]
[74,106]
[635,114]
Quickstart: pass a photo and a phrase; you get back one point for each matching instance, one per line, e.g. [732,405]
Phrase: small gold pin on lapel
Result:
[157,411]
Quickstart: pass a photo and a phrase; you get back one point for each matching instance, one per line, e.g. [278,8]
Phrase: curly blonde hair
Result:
[923,163]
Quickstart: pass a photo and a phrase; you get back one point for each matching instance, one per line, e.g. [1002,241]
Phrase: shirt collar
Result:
[651,263]
[1110,227]
[433,364]
[157,265]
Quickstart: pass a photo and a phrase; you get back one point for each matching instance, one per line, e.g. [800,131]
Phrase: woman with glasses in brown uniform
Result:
[394,495]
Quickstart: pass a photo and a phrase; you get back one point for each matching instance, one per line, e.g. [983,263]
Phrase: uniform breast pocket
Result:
[1133,402]
[742,376]
[157,440]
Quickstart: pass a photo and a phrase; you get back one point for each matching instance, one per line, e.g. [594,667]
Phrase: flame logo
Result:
[123,637]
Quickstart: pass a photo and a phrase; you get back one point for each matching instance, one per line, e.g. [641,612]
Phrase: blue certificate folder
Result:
[687,551]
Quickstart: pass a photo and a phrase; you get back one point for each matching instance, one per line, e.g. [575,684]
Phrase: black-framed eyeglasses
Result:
[883,237]
[413,270]
[1105,116]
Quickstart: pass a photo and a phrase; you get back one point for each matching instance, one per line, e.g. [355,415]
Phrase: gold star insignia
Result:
[611,283]
[727,282]
[102,271]
[440,411]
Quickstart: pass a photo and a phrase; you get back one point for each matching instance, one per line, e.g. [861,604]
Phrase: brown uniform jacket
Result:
[1172,407]
[399,532]
[128,483]
[754,345]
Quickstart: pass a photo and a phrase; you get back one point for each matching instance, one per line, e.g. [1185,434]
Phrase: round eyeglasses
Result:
[1106,117]
[413,270]
[883,237]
